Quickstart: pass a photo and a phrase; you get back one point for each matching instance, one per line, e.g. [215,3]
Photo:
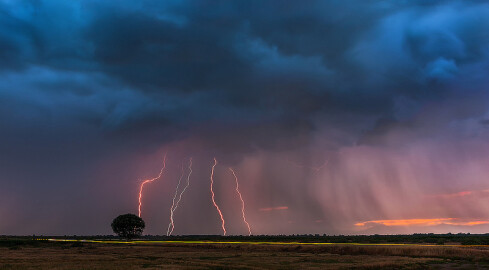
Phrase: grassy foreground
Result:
[28,254]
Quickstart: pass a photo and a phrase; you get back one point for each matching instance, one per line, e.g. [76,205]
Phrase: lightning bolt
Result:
[242,201]
[213,201]
[169,232]
[315,169]
[149,181]
[172,208]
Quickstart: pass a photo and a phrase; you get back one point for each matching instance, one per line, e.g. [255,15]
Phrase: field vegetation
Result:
[26,253]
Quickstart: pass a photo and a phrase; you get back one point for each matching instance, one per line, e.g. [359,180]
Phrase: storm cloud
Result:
[390,96]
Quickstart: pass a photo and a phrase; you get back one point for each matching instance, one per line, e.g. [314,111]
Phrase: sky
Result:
[338,117]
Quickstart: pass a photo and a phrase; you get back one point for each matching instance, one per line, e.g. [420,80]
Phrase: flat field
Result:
[25,254]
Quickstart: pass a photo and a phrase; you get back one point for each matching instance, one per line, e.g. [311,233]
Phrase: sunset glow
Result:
[267,209]
[423,222]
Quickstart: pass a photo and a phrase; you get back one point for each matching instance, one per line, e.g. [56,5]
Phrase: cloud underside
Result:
[357,112]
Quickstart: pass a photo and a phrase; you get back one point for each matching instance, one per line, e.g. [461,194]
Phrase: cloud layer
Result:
[334,112]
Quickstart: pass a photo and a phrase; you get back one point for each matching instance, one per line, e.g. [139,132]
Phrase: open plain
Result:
[109,254]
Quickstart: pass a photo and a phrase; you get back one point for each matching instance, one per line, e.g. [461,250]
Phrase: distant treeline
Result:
[440,239]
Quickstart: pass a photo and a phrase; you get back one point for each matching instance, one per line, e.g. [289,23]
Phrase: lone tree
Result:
[128,226]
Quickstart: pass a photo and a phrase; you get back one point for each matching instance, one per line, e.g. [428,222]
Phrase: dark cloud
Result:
[85,83]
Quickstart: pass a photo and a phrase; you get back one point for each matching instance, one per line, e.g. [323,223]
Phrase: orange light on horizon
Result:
[422,222]
[273,208]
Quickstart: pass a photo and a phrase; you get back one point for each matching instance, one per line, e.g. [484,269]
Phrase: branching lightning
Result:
[213,201]
[175,206]
[315,169]
[171,225]
[242,201]
[149,181]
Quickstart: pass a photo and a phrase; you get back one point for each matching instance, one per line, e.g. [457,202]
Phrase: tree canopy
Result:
[128,226]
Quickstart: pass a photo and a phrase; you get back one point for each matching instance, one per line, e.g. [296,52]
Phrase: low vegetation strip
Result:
[473,253]
[249,242]
[200,254]
[83,255]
